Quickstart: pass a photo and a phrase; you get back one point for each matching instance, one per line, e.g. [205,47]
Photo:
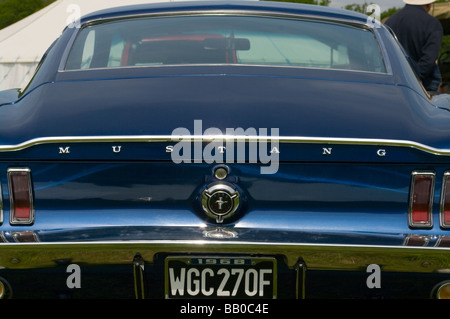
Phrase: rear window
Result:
[223,39]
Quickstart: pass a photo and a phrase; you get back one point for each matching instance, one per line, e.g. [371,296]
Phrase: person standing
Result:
[420,34]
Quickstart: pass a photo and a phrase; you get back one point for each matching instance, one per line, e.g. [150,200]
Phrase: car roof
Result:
[257,6]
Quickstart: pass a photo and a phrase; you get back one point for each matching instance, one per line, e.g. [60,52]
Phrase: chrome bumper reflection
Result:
[316,256]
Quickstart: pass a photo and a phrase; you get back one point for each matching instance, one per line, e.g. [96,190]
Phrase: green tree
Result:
[388,13]
[12,11]
[362,8]
[385,14]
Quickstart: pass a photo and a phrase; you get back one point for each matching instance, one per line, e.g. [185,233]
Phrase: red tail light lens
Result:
[1,207]
[21,196]
[421,200]
[445,202]
[443,241]
[417,240]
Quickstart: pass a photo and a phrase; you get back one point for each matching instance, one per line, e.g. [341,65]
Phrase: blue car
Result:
[224,150]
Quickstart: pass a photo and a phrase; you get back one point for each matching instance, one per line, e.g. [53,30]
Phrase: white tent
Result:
[23,43]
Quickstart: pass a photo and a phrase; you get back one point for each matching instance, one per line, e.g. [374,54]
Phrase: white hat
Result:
[418,2]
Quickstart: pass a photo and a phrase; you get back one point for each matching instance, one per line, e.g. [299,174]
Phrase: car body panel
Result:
[329,190]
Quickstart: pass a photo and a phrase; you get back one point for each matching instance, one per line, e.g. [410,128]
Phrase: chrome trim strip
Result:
[256,12]
[240,65]
[210,138]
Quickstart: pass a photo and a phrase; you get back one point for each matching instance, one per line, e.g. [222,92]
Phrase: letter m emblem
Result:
[64,150]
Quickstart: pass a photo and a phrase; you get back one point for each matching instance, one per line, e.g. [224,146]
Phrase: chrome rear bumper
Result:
[138,259]
[316,256]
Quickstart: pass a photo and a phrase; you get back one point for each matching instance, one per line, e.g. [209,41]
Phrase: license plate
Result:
[220,277]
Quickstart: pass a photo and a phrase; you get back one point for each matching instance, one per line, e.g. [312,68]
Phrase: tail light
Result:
[417,240]
[421,200]
[441,290]
[443,241]
[5,289]
[445,202]
[21,196]
[1,207]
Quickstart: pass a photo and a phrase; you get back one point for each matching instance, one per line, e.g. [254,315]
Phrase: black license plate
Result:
[220,277]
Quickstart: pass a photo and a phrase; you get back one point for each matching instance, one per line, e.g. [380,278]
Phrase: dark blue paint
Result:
[354,197]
